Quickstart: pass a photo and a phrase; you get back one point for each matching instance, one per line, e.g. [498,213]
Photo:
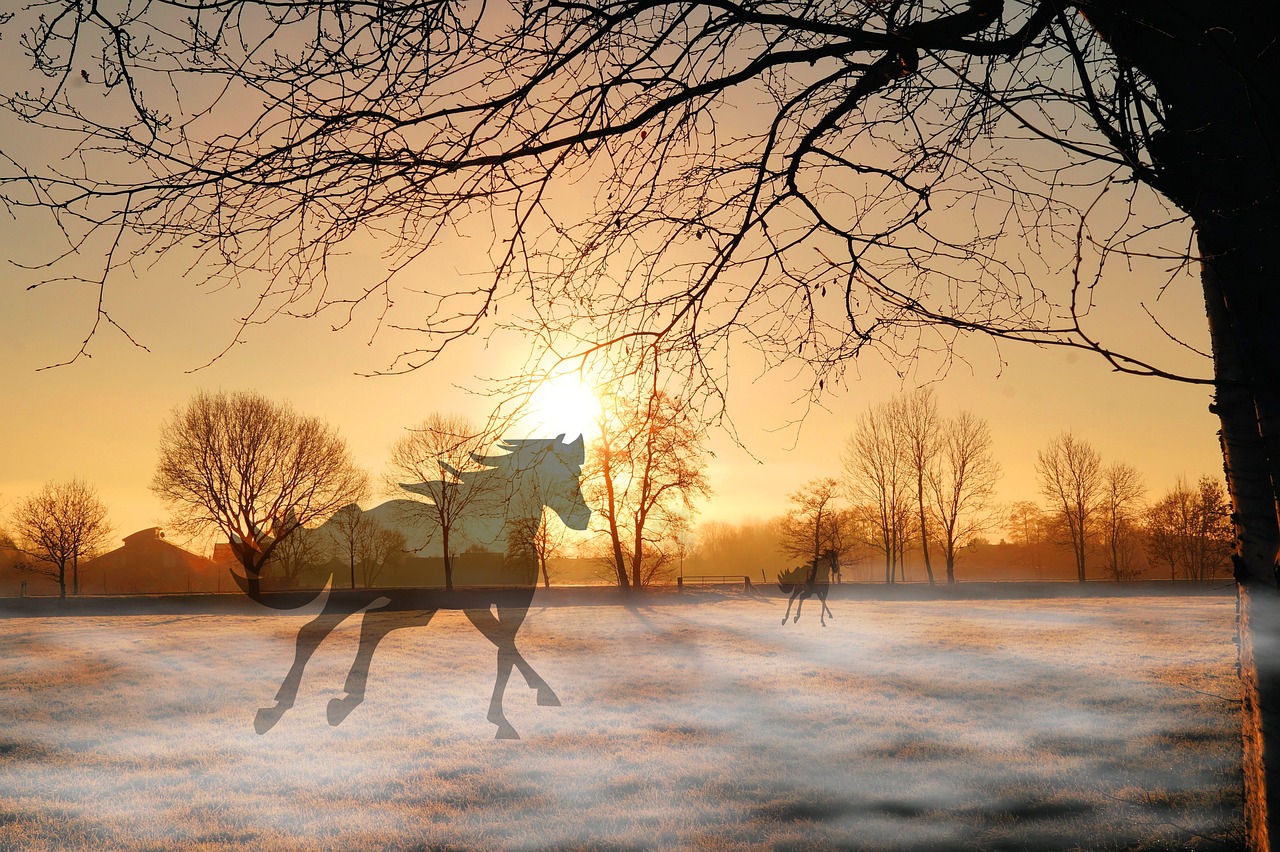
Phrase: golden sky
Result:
[99,417]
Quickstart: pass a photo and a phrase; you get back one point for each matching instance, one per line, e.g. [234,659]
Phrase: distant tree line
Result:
[916,482]
[281,488]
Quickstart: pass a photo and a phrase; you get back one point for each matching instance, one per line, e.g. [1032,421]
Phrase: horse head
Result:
[554,468]
[518,480]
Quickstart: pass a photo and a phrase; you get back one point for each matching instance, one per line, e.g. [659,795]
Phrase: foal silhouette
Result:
[510,488]
[808,580]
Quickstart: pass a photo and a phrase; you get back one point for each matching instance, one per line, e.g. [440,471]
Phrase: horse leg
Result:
[795,590]
[824,610]
[492,629]
[309,638]
[804,594]
[512,618]
[375,627]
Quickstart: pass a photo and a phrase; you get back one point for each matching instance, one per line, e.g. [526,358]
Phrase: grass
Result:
[1050,724]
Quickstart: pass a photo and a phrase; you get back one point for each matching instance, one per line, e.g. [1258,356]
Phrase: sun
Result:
[565,405]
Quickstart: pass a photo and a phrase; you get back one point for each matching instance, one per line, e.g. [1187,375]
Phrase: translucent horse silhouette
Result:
[511,487]
[808,580]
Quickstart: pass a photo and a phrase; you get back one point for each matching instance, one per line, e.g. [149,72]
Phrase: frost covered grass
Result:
[1043,724]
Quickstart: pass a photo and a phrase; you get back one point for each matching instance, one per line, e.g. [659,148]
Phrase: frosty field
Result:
[1040,724]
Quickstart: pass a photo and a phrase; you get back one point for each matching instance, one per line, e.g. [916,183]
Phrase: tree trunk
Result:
[1247,401]
[611,505]
[1214,66]
[817,534]
[253,581]
[448,562]
[924,530]
[637,554]
[1078,545]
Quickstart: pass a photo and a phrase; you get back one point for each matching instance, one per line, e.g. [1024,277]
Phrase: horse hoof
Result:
[340,708]
[547,698]
[506,732]
[784,621]
[266,718]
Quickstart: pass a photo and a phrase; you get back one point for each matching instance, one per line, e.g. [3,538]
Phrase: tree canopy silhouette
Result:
[60,525]
[812,179]
[254,470]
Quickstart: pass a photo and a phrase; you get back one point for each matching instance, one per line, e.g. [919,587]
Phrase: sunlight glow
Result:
[564,405]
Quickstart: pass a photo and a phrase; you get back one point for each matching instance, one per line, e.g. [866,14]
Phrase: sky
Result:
[98,418]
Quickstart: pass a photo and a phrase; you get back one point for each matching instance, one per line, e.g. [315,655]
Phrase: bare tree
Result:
[352,533]
[962,481]
[804,531]
[878,479]
[255,470]
[916,416]
[1119,513]
[1189,529]
[382,547]
[59,525]
[539,539]
[303,550]
[875,205]
[1027,524]
[643,474]
[431,456]
[1070,474]
[816,524]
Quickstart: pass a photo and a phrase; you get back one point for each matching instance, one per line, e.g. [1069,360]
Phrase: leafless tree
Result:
[253,469]
[58,526]
[352,533]
[1070,474]
[1189,529]
[540,539]
[817,524]
[300,552]
[918,421]
[382,547]
[878,480]
[6,540]
[911,163]
[804,531]
[1027,524]
[961,482]
[432,455]
[1119,513]
[846,539]
[643,474]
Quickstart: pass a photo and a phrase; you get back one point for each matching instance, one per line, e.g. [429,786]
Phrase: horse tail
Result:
[275,602]
[790,578]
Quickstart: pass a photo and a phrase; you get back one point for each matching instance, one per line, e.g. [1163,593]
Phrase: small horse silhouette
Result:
[510,487]
[806,580]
